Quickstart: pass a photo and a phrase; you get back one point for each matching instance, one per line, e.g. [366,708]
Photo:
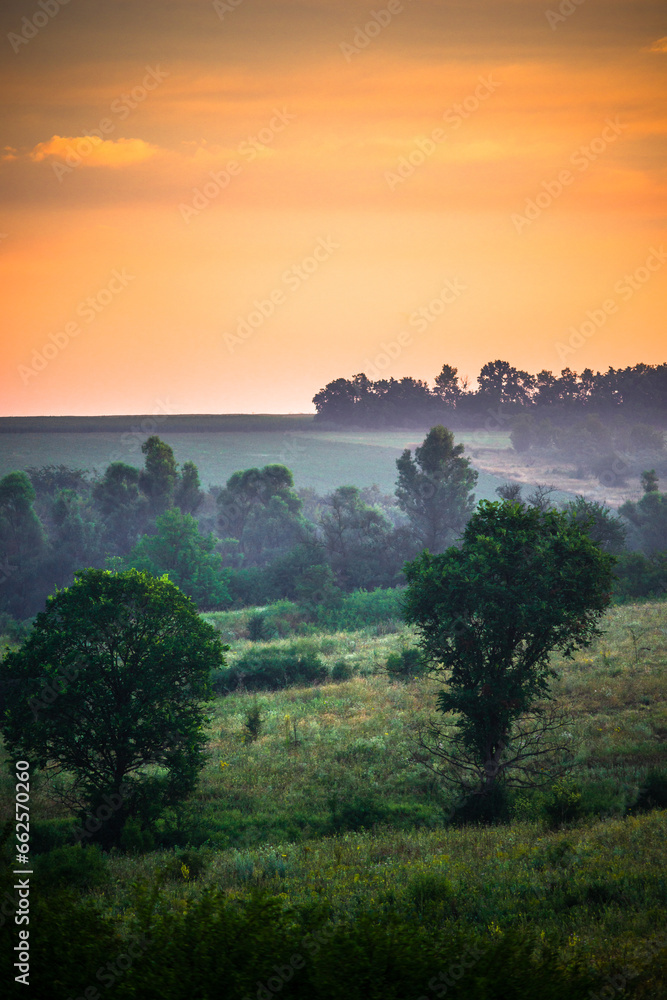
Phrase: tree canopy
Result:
[109,689]
[435,489]
[524,582]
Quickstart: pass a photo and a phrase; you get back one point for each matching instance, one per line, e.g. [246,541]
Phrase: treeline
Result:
[258,540]
[502,391]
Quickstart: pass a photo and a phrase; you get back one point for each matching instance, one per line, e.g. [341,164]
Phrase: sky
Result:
[220,207]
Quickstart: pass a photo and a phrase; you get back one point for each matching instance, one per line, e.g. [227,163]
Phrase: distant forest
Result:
[503,392]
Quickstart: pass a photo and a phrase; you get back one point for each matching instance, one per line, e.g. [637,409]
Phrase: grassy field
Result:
[321,460]
[326,807]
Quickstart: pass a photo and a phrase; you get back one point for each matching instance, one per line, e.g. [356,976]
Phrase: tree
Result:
[434,488]
[606,530]
[356,540]
[649,481]
[261,508]
[524,582]
[160,475]
[447,387]
[23,545]
[648,517]
[187,494]
[123,506]
[499,384]
[111,685]
[180,550]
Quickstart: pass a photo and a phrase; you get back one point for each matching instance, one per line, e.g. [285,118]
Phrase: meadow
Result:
[321,809]
[319,459]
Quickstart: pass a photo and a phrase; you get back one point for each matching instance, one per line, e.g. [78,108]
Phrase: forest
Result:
[502,392]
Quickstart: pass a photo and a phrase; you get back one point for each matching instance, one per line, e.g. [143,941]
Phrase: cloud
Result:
[660,45]
[92,151]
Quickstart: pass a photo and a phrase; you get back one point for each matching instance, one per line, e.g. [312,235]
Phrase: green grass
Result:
[322,460]
[325,806]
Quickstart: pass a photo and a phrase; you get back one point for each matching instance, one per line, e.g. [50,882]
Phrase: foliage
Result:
[362,609]
[187,492]
[160,474]
[406,664]
[648,517]
[605,529]
[252,726]
[358,541]
[525,582]
[125,660]
[123,506]
[71,868]
[23,544]
[272,669]
[649,481]
[653,793]
[637,575]
[179,550]
[435,489]
[261,508]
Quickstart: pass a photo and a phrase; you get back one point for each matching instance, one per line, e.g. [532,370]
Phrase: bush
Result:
[409,663]
[485,810]
[428,889]
[272,669]
[563,804]
[361,609]
[252,726]
[259,627]
[342,671]
[71,868]
[653,793]
[638,575]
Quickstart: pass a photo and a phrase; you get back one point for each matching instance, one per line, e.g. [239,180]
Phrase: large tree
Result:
[525,582]
[160,474]
[261,508]
[109,689]
[435,489]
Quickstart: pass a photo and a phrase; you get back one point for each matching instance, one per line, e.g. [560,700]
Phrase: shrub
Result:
[485,810]
[259,627]
[409,663]
[653,793]
[342,671]
[429,888]
[272,669]
[563,804]
[252,725]
[187,865]
[361,609]
[73,867]
[638,575]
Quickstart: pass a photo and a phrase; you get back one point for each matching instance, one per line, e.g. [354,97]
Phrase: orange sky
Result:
[374,174]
